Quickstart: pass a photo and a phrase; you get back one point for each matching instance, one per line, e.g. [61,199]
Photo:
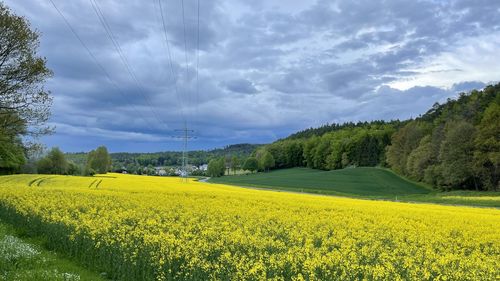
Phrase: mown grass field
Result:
[364,182]
[354,181]
[153,228]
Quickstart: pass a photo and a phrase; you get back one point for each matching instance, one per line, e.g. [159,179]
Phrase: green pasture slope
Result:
[351,181]
[363,182]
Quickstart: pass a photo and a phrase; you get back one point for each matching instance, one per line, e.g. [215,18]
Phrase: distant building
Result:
[122,170]
[203,167]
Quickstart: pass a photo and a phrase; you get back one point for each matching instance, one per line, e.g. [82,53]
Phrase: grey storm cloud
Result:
[243,86]
[251,71]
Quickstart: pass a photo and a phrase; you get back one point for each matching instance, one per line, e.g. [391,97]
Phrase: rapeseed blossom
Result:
[160,228]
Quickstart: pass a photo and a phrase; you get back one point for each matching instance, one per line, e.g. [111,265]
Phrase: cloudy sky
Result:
[266,68]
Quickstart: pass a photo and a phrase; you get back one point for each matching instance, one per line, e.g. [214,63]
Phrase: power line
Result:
[172,71]
[124,60]
[188,96]
[185,130]
[185,153]
[96,61]
[197,97]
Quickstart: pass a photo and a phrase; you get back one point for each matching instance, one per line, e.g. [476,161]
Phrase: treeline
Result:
[455,145]
[55,162]
[138,163]
[362,144]
[262,161]
[327,128]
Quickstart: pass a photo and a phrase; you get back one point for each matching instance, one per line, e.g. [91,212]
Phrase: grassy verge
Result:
[25,259]
[466,198]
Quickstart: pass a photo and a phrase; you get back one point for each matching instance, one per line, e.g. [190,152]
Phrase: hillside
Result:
[353,181]
[328,128]
[453,146]
[365,182]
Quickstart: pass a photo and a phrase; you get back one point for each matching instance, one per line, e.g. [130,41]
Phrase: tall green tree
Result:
[99,160]
[11,154]
[456,154]
[216,167]
[53,163]
[251,164]
[266,161]
[24,103]
[487,145]
[235,163]
[420,159]
[403,142]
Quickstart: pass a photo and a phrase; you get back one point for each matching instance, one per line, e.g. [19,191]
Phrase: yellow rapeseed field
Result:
[152,228]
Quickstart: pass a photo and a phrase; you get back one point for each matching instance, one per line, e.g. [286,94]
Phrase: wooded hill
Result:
[455,145]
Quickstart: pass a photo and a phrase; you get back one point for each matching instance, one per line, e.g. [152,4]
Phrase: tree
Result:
[99,160]
[216,167]
[487,148]
[73,169]
[345,160]
[309,151]
[420,158]
[24,103]
[11,147]
[456,154]
[251,164]
[266,161]
[54,163]
[403,142]
[235,163]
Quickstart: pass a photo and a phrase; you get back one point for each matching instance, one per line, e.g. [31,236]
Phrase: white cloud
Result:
[472,59]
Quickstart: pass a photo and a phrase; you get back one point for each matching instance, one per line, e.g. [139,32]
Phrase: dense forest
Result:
[135,162]
[455,145]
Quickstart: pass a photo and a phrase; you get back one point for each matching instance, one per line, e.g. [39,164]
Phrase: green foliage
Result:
[87,171]
[74,169]
[266,161]
[11,153]
[23,100]
[235,164]
[136,162]
[328,128]
[358,145]
[251,164]
[456,154]
[487,147]
[53,163]
[453,146]
[216,167]
[403,142]
[99,160]
[420,158]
